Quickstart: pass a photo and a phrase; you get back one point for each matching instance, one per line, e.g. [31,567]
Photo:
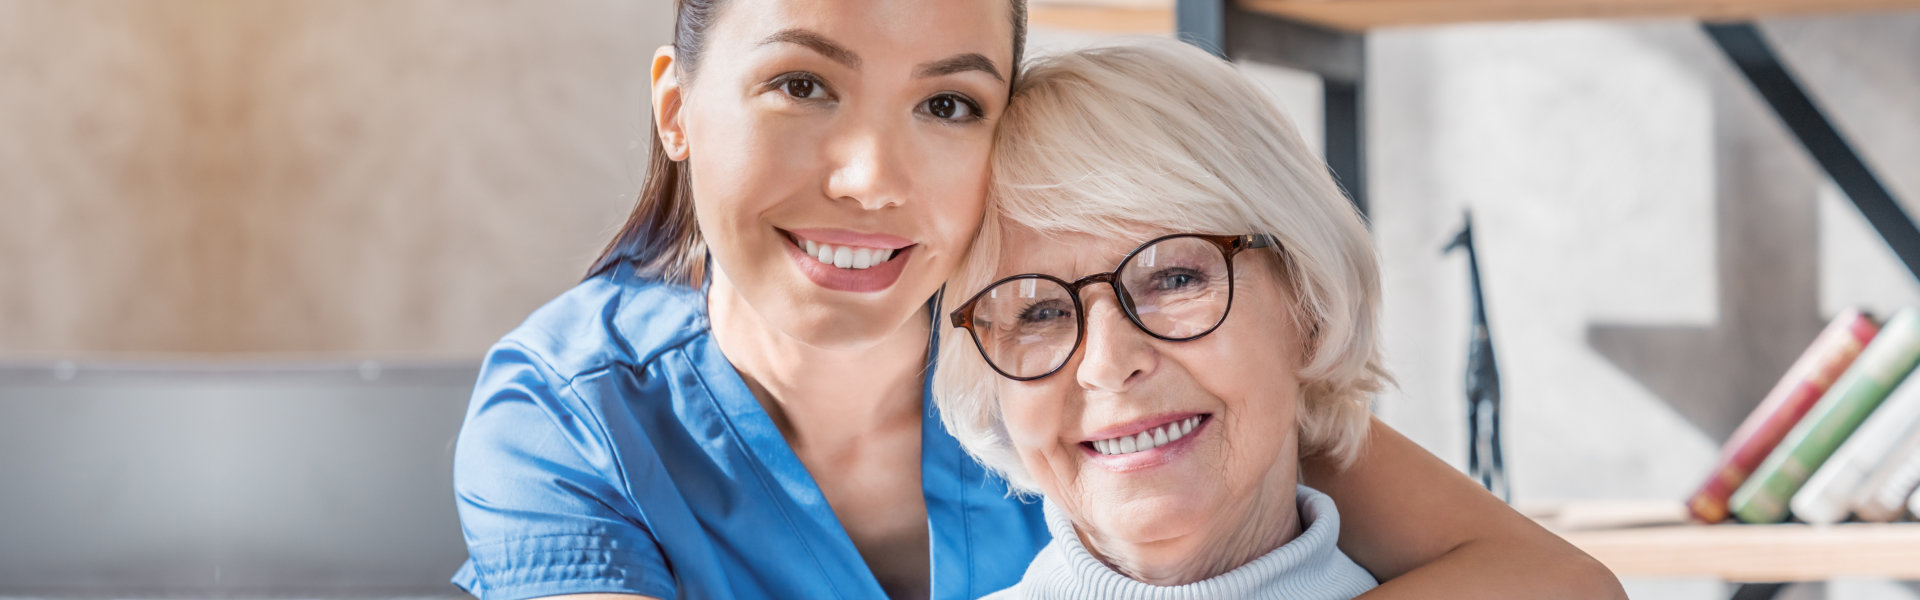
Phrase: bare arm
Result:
[1426,531]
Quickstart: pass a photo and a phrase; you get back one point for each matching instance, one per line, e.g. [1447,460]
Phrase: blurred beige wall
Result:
[304,176]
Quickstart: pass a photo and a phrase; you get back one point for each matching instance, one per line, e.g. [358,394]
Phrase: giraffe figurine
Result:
[1485,460]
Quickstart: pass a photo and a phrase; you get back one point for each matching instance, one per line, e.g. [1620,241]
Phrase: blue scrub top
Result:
[610,447]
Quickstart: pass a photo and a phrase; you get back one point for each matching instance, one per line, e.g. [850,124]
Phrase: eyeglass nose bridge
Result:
[1120,296]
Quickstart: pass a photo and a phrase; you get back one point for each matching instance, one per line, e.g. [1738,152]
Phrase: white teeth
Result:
[845,257]
[1147,440]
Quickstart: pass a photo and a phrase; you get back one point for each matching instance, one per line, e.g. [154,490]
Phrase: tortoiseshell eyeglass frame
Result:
[1229,246]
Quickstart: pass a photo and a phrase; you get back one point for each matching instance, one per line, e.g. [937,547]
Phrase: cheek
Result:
[743,161]
[1258,386]
[1035,421]
[954,193]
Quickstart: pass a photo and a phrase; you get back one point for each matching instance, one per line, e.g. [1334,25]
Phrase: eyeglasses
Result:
[1175,288]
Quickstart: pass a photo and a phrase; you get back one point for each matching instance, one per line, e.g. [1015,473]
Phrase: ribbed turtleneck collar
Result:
[1309,566]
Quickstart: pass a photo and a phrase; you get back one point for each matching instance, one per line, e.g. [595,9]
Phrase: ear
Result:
[667,97]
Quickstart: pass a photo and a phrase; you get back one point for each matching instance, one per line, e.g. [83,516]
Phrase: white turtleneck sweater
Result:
[1309,567]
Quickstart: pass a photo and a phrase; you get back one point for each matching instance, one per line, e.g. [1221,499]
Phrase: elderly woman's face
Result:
[1239,383]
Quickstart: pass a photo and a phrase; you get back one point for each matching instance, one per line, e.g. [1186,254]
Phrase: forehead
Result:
[1068,255]
[881,30]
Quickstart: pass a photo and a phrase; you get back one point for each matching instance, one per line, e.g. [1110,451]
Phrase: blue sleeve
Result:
[541,503]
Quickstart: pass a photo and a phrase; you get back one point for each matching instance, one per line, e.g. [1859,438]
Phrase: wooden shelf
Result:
[1147,17]
[1653,540]
[1357,15]
[1156,16]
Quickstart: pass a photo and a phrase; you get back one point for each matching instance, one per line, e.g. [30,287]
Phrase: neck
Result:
[1252,526]
[820,395]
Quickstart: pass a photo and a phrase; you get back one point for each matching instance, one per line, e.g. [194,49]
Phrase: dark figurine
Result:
[1484,458]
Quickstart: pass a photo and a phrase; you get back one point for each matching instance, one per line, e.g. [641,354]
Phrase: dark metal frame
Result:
[1749,51]
[1339,58]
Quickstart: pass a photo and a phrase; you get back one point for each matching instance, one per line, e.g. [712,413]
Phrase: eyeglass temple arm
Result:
[1259,240]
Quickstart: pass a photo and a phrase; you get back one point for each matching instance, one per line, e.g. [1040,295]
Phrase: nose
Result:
[869,166]
[1114,355]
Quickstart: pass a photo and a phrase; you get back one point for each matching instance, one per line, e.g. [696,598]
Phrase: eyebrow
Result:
[817,43]
[961,63]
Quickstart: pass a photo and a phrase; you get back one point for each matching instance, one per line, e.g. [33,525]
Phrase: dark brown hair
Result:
[661,239]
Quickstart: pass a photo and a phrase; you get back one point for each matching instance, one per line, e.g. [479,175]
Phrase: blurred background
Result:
[251,253]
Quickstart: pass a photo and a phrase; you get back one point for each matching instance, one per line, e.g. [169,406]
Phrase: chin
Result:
[1153,518]
[849,325]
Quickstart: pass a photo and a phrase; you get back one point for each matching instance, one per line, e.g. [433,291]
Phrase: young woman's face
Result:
[839,153]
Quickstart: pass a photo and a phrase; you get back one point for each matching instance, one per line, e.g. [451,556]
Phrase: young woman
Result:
[734,404]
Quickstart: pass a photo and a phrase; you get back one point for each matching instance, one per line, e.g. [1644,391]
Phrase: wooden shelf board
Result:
[1652,539]
[1104,16]
[1156,16]
[1759,553]
[1356,15]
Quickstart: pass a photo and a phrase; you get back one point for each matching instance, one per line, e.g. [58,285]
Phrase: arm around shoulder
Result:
[1426,531]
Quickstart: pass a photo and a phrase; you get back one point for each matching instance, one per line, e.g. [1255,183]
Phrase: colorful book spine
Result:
[1913,503]
[1881,366]
[1809,377]
[1827,497]
[1883,497]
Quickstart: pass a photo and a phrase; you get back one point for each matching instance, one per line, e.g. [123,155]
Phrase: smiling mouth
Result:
[840,256]
[1147,440]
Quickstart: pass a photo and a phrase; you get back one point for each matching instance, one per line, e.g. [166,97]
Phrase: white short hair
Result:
[1161,134]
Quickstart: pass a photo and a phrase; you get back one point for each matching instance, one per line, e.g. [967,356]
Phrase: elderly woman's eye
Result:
[1043,312]
[1177,279]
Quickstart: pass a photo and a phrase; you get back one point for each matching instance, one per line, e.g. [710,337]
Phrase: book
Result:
[1881,365]
[1913,503]
[1824,360]
[1882,498]
[1827,497]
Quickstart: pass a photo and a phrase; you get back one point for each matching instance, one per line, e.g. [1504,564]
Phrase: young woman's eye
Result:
[800,86]
[952,107]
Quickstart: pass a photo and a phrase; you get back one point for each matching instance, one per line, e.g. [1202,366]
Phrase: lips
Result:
[1146,443]
[848,261]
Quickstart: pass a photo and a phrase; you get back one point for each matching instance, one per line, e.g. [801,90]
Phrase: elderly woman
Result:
[1170,304]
